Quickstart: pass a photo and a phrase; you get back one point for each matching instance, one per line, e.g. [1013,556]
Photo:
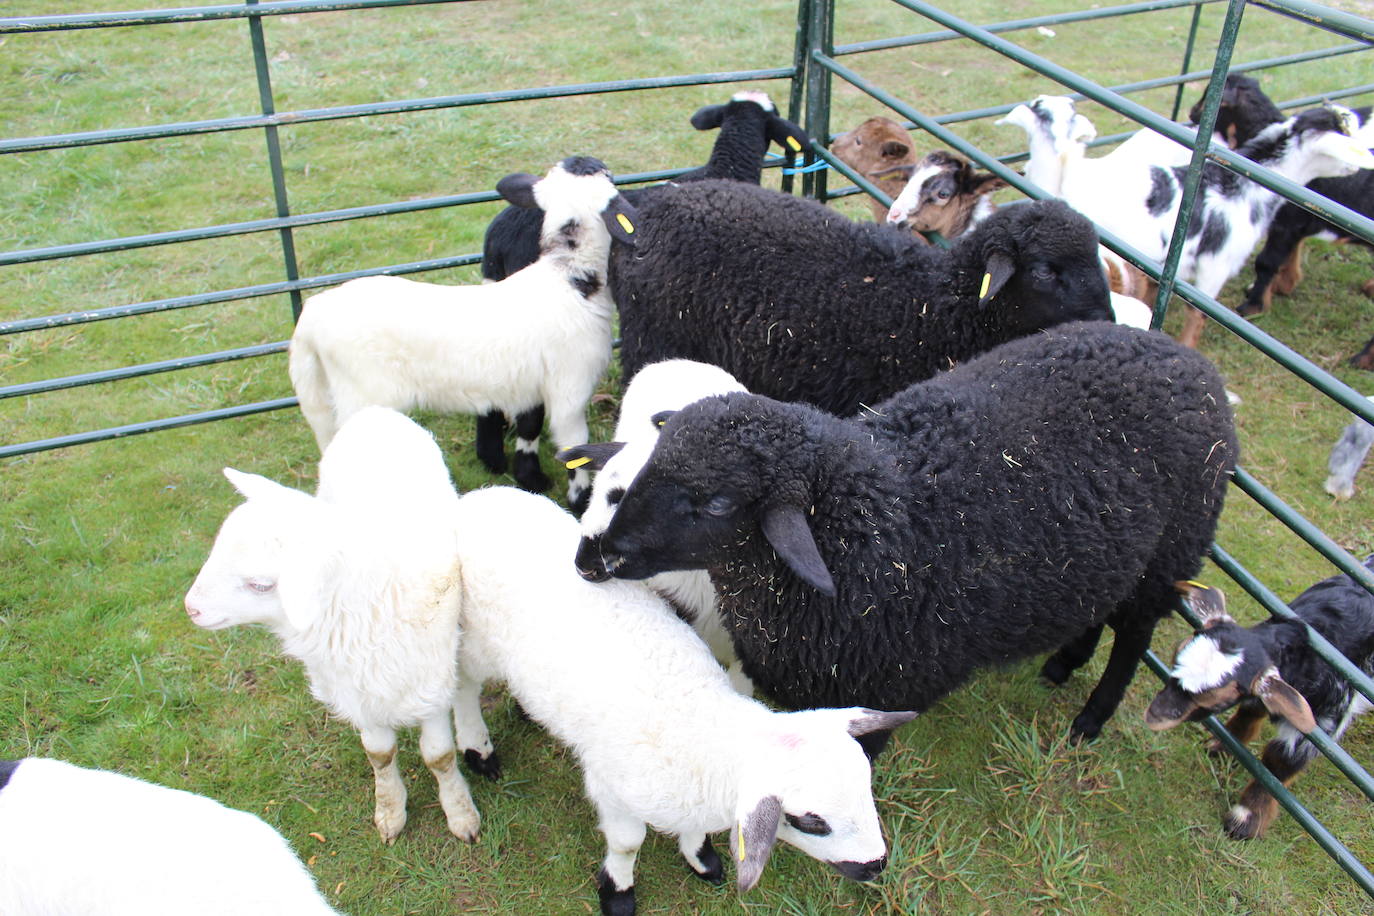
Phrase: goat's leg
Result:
[1244,726]
[615,883]
[491,441]
[1071,656]
[1365,358]
[1290,272]
[527,472]
[390,815]
[473,737]
[437,749]
[1285,757]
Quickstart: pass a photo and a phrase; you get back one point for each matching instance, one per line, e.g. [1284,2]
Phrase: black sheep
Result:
[1270,670]
[748,124]
[1011,506]
[803,304]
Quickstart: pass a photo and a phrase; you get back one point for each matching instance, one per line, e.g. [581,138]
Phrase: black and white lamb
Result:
[1011,506]
[542,336]
[1270,670]
[801,303]
[748,123]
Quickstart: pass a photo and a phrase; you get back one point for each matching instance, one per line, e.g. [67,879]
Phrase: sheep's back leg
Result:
[440,756]
[491,441]
[1071,656]
[615,883]
[527,472]
[390,816]
[473,736]
[701,857]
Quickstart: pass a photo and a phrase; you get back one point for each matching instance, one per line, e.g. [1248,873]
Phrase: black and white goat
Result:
[1270,670]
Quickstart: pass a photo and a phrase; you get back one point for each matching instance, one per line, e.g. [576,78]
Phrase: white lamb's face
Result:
[238,583]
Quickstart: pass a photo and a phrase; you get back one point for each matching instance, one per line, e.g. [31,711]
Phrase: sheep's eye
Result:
[720,506]
[261,585]
[810,823]
[1041,272]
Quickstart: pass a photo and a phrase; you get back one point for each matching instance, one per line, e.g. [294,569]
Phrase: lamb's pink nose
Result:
[192,611]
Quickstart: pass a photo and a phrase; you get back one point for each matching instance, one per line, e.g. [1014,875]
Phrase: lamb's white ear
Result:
[1081,129]
[1345,149]
[308,578]
[253,486]
[753,835]
[1021,116]
[786,529]
[863,720]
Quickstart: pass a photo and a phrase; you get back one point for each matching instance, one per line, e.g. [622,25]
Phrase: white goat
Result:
[360,583]
[662,737]
[1138,200]
[96,843]
[669,385]
[540,336]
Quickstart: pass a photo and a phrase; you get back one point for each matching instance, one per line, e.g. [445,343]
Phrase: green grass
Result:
[987,809]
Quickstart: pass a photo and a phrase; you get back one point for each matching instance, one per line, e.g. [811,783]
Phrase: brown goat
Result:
[944,194]
[876,146]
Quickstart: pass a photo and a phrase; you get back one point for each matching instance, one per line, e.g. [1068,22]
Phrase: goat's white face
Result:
[910,199]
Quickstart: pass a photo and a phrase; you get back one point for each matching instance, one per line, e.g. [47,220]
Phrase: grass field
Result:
[987,809]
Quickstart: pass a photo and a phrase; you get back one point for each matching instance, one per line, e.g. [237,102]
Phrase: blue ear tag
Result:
[625,223]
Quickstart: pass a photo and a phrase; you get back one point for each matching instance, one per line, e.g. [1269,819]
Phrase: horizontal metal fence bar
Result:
[230,295]
[128,372]
[71,21]
[402,106]
[1325,96]
[1324,838]
[1304,529]
[134,429]
[1015,25]
[1323,17]
[1278,608]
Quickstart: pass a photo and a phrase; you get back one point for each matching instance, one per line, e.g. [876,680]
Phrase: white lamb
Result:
[96,843]
[361,584]
[662,737]
[668,385]
[540,336]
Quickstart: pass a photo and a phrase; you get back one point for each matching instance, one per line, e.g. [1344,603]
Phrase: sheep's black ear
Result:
[786,529]
[786,134]
[999,267]
[753,836]
[1282,700]
[592,456]
[709,117]
[661,417]
[518,189]
[621,219]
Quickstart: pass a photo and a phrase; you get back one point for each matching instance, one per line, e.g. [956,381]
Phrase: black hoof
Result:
[715,869]
[1084,731]
[1055,673]
[1249,310]
[488,766]
[614,902]
[528,474]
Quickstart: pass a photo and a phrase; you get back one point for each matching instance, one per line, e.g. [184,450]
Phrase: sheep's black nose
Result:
[594,573]
[861,871]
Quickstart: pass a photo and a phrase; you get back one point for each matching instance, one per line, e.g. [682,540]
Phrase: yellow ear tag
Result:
[792,142]
[578,462]
[625,223]
[1196,584]
[987,281]
[741,842]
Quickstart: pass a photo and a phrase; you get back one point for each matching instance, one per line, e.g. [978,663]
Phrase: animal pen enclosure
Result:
[71,282]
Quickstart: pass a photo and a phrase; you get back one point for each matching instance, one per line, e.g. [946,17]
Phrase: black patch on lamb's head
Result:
[1215,231]
[1041,111]
[584,166]
[570,232]
[7,768]
[1162,189]
[587,284]
[808,823]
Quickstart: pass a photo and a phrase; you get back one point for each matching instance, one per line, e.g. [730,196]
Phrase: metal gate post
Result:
[800,56]
[288,242]
[820,37]
[1187,61]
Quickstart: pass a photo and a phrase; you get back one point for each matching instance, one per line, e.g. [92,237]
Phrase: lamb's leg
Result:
[1132,639]
[1252,815]
[491,441]
[701,857]
[436,747]
[615,883]
[473,737]
[568,427]
[390,816]
[528,474]
[1071,656]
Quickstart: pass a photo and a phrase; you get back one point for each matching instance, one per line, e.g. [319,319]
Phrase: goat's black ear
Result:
[621,219]
[786,134]
[786,529]
[661,417]
[1207,602]
[894,149]
[592,456]
[1282,700]
[999,267]
[709,117]
[518,189]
